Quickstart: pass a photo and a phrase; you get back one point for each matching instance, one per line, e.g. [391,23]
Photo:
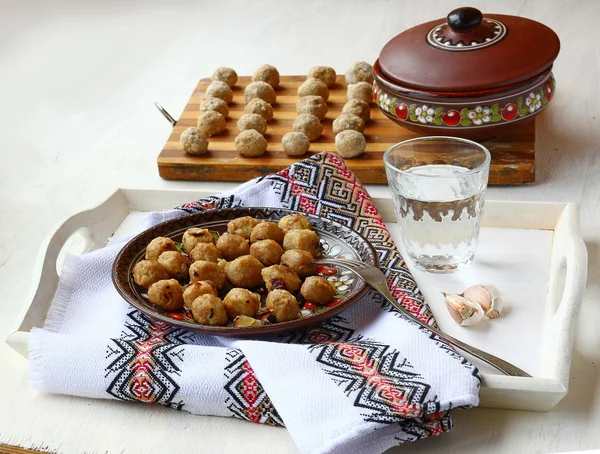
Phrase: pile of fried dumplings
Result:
[222,280]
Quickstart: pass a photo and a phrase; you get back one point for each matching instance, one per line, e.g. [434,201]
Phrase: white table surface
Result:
[77,120]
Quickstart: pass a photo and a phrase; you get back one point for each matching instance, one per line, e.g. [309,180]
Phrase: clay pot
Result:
[472,76]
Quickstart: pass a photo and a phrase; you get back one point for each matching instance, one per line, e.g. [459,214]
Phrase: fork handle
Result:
[503,366]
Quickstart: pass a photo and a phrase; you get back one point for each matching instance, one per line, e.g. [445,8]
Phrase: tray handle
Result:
[95,226]
[570,260]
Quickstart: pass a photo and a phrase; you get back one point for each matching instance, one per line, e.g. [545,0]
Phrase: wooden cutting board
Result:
[513,157]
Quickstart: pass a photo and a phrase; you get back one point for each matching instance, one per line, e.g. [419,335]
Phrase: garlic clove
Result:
[488,297]
[463,311]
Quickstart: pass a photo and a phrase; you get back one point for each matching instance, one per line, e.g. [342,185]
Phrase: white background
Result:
[78,82]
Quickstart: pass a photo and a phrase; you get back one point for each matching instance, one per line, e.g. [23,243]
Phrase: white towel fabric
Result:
[370,378]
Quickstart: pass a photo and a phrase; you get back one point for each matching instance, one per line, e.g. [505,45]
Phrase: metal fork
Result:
[376,279]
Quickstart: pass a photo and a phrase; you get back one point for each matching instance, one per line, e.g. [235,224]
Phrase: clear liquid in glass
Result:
[439,217]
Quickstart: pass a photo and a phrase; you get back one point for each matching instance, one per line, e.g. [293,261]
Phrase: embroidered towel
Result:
[362,382]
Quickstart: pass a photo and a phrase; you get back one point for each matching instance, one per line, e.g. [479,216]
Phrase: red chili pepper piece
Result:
[335,302]
[326,270]
[175,315]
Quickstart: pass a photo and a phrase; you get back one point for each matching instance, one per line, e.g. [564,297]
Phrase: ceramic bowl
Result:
[473,76]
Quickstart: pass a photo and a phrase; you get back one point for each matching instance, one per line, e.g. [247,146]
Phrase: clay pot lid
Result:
[469,52]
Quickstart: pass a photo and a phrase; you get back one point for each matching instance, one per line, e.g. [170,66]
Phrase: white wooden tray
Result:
[545,285]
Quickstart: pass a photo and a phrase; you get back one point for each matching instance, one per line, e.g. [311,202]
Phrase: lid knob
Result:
[464,18]
[466,29]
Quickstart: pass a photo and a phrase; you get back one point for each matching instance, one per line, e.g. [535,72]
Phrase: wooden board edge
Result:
[220,172]
[372,175]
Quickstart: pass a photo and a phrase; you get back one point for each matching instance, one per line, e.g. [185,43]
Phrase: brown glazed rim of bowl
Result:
[407,91]
[121,284]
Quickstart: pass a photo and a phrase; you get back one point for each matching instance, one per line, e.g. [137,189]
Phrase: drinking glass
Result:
[438,187]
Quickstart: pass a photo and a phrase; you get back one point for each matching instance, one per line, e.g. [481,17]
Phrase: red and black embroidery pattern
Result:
[429,426]
[380,381]
[145,361]
[384,386]
[247,398]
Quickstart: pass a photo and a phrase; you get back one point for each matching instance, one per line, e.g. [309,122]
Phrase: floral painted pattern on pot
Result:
[480,115]
[422,114]
[468,116]
[533,102]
